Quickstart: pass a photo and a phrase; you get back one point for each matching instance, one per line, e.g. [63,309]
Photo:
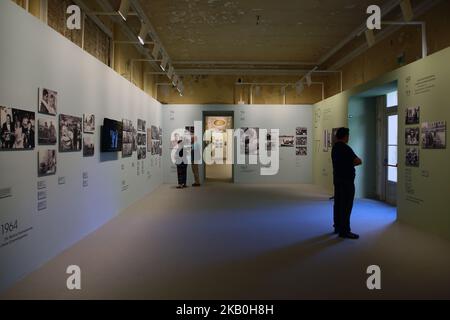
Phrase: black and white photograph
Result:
[89,123]
[249,141]
[127,138]
[412,157]
[302,141]
[70,135]
[127,125]
[287,141]
[141,139]
[155,133]
[142,153]
[300,131]
[412,136]
[17,129]
[434,135]
[413,115]
[46,162]
[88,146]
[326,143]
[155,147]
[46,132]
[301,151]
[142,124]
[48,101]
[127,144]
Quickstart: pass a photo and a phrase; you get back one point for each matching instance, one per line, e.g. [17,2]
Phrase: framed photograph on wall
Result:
[412,115]
[412,136]
[70,135]
[287,141]
[301,141]
[88,146]
[301,131]
[89,123]
[412,157]
[142,124]
[434,135]
[48,101]
[17,129]
[301,151]
[46,132]
[46,163]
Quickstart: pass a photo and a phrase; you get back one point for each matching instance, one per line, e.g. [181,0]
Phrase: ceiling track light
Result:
[156,50]
[124,9]
[164,62]
[407,10]
[143,33]
[170,72]
[175,80]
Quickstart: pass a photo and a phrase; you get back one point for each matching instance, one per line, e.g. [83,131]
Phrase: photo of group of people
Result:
[154,144]
[412,157]
[46,162]
[141,143]
[127,138]
[46,132]
[70,134]
[434,135]
[287,141]
[17,129]
[48,102]
[301,148]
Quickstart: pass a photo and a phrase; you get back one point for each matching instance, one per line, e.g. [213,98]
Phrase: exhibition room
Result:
[224,150]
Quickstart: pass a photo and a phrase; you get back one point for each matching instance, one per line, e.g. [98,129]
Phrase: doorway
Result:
[219,143]
[374,125]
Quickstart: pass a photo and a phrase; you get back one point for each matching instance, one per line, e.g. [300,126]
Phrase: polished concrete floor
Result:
[225,241]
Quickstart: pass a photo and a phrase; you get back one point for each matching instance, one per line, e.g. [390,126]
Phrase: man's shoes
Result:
[196,185]
[349,235]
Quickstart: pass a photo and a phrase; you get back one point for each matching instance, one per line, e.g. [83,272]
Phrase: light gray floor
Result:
[225,241]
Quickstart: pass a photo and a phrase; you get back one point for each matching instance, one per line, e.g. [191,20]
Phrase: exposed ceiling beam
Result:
[277,63]
[386,9]
[384,33]
[240,72]
[94,18]
[106,6]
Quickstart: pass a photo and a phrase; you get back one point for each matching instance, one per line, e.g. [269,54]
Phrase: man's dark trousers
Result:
[344,194]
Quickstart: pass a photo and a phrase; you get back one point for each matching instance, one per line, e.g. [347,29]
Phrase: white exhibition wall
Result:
[32,56]
[286,118]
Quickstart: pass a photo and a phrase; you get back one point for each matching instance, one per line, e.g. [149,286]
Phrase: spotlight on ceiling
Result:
[170,72]
[164,62]
[407,10]
[370,38]
[175,80]
[156,50]
[124,9]
[143,33]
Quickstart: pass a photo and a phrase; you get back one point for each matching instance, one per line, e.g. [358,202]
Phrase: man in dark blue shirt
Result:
[344,163]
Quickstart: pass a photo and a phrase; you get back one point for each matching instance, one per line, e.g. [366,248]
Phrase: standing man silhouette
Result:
[344,163]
